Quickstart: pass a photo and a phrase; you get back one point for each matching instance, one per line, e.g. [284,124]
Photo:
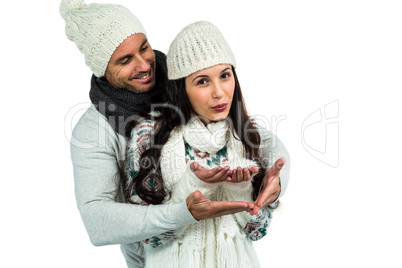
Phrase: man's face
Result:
[132,65]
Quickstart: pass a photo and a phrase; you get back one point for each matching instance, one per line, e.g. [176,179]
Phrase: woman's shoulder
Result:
[141,135]
[143,127]
[262,127]
[257,123]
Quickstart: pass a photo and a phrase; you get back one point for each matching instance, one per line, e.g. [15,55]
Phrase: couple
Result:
[208,195]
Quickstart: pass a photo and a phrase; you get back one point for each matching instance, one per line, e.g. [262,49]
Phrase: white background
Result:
[294,57]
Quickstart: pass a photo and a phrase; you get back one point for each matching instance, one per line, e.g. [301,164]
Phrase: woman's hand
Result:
[214,175]
[220,174]
[270,187]
[242,174]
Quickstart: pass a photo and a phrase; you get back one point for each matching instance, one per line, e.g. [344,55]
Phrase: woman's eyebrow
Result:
[198,76]
[201,75]
[224,70]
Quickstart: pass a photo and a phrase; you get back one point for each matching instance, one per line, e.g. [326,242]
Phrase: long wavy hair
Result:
[169,119]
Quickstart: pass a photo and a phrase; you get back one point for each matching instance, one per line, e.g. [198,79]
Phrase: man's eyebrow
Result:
[131,55]
[143,43]
[124,57]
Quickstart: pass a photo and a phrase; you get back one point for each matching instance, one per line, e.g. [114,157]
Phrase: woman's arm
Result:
[271,149]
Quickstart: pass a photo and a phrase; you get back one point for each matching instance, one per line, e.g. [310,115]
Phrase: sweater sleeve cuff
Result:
[180,215]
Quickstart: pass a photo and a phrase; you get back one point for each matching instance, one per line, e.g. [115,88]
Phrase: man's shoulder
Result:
[159,54]
[94,127]
[91,119]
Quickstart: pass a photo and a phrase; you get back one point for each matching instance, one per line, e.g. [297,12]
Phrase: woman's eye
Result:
[225,75]
[201,82]
[144,48]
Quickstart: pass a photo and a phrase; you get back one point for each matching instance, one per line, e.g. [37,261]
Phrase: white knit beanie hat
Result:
[98,29]
[198,46]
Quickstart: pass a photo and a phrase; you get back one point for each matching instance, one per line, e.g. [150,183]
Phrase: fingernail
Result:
[219,168]
[226,168]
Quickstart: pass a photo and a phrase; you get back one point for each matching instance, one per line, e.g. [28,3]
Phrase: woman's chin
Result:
[217,118]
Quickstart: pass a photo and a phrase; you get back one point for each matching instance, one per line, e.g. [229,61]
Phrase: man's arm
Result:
[94,152]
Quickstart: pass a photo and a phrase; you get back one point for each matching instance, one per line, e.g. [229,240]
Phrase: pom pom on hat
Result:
[98,29]
[69,5]
[198,46]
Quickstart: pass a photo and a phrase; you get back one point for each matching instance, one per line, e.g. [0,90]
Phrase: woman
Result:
[204,121]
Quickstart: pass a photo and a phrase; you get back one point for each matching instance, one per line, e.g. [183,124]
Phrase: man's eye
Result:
[124,61]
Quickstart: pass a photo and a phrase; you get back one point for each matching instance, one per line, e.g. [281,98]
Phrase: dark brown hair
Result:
[171,118]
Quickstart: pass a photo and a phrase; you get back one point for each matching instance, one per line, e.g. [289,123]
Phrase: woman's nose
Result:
[217,91]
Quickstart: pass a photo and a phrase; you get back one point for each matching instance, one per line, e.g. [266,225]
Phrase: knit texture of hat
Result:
[198,46]
[98,29]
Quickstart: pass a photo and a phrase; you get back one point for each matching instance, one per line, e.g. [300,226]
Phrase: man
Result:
[128,77]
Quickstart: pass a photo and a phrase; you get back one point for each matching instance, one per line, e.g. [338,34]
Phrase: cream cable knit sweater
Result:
[217,242]
[97,154]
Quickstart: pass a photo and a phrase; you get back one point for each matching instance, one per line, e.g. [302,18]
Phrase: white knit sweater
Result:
[218,242]
[97,153]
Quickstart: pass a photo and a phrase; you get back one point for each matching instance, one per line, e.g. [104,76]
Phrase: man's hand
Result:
[202,208]
[220,174]
[270,186]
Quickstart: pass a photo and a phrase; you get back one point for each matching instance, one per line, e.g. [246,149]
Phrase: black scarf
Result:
[122,107]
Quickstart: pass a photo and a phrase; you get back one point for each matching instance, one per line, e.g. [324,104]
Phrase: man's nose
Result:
[141,65]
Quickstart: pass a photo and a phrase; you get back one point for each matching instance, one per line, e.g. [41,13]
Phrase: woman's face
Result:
[210,92]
